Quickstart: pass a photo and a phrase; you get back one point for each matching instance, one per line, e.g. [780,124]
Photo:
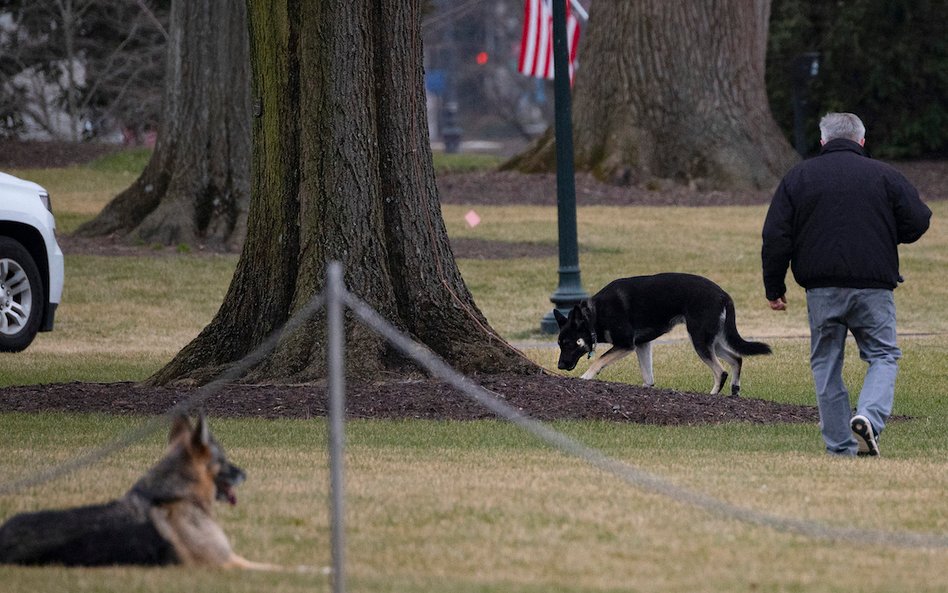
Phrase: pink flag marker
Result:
[472,219]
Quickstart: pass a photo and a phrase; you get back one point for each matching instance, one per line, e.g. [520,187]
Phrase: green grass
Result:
[126,161]
[78,193]
[435,506]
[721,243]
[122,318]
[482,506]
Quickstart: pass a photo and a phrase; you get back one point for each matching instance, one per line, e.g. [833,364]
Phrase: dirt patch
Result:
[506,187]
[115,246]
[542,397]
[929,177]
[500,188]
[31,154]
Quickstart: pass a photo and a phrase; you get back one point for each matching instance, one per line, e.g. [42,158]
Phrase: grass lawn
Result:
[481,506]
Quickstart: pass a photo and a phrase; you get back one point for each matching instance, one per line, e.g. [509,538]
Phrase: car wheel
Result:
[21,296]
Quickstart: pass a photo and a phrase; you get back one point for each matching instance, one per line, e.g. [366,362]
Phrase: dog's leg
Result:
[644,354]
[734,360]
[720,376]
[197,539]
[704,346]
[236,561]
[605,360]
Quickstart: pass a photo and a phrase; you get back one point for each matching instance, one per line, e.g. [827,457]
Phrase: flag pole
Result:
[570,290]
[579,10]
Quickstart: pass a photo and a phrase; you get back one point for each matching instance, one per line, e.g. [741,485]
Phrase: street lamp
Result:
[570,290]
[804,68]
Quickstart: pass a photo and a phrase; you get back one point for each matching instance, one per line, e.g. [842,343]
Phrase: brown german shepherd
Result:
[166,518]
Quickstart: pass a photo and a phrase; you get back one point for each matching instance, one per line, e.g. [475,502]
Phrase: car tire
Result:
[21,296]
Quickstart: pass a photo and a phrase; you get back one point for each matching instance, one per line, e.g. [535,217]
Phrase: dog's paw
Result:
[648,385]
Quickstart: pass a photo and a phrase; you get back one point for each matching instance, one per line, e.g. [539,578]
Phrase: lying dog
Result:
[166,518]
[631,312]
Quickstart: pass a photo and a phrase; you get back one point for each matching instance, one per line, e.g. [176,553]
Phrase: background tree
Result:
[674,90]
[72,70]
[885,60]
[195,188]
[471,51]
[342,170]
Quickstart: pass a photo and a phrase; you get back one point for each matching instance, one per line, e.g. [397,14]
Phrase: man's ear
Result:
[180,426]
[560,318]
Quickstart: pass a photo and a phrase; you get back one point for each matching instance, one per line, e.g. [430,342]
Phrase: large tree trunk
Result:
[195,188]
[674,90]
[342,170]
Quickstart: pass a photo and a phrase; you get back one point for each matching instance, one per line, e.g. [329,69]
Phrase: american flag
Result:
[536,45]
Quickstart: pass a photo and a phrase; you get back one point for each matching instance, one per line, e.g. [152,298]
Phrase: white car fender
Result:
[19,204]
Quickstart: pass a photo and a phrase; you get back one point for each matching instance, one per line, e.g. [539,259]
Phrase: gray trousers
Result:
[869,314]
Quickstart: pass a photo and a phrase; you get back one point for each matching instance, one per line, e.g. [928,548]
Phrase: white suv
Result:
[31,263]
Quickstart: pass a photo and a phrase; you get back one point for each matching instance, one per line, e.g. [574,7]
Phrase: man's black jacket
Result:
[837,220]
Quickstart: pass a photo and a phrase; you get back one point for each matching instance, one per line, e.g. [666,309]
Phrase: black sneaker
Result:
[865,435]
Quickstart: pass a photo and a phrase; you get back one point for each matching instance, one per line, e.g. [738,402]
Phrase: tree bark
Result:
[195,188]
[674,90]
[342,170]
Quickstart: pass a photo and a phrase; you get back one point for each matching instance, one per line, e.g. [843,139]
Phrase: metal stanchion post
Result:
[337,409]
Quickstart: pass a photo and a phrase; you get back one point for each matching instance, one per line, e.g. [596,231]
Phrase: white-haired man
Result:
[837,220]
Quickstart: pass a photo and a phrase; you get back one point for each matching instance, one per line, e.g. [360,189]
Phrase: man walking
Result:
[837,220]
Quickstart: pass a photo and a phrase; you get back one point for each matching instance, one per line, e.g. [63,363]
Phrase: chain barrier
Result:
[186,406]
[437,367]
[630,474]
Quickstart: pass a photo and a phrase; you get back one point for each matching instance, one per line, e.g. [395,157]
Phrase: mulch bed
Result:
[507,187]
[32,154]
[541,397]
[500,188]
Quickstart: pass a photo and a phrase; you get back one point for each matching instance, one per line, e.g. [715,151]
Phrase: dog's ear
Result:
[579,316]
[180,426]
[584,310]
[201,438]
[560,318]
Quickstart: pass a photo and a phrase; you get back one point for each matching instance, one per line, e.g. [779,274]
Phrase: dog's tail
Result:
[734,339]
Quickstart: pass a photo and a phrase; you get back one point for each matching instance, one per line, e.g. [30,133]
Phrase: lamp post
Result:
[450,128]
[570,290]
[805,67]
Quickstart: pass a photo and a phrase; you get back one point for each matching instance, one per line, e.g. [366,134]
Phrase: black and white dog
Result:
[631,312]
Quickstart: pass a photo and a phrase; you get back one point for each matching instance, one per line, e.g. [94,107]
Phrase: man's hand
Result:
[780,304]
